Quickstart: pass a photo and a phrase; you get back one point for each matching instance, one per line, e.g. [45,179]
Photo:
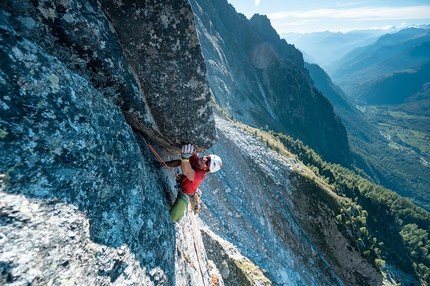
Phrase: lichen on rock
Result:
[67,149]
[126,60]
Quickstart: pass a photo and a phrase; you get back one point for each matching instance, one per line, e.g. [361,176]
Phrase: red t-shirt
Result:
[190,187]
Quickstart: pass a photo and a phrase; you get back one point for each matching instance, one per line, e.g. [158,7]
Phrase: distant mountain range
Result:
[390,80]
[323,48]
[371,65]
[388,71]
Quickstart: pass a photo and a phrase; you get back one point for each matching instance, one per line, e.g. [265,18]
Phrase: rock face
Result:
[143,57]
[161,44]
[264,205]
[74,180]
[81,201]
[78,193]
[261,80]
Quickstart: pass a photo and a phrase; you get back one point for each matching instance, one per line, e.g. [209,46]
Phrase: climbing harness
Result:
[195,201]
[191,209]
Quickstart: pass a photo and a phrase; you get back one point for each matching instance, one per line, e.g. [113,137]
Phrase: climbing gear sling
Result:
[195,201]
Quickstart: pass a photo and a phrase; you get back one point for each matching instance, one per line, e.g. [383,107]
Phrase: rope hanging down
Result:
[193,224]
[172,169]
[196,246]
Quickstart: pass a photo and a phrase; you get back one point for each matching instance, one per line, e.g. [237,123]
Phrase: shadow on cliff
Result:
[72,75]
[62,141]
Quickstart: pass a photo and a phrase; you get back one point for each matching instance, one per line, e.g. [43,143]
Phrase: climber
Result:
[194,170]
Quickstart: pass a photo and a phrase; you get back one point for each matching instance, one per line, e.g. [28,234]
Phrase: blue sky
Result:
[305,16]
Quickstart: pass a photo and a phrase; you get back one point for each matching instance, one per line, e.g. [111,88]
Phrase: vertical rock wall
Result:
[142,55]
[160,42]
[78,199]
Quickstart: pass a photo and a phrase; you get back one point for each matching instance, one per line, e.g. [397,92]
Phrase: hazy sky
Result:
[303,16]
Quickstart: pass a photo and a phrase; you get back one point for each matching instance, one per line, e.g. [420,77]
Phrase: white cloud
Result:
[349,4]
[404,24]
[294,23]
[365,13]
[257,2]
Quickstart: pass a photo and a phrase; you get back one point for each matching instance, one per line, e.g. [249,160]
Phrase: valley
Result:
[384,104]
[399,152]
[401,130]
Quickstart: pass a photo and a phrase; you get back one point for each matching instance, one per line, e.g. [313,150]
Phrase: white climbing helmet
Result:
[215,163]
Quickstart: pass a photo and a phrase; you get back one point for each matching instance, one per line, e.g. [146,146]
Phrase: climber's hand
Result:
[187,151]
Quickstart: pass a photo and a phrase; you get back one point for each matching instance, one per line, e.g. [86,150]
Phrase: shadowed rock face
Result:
[260,79]
[74,180]
[142,55]
[79,198]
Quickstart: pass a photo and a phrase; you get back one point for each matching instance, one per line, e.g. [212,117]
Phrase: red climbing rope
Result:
[193,224]
[172,169]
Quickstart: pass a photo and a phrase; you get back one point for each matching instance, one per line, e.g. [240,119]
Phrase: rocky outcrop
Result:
[235,268]
[317,217]
[160,42]
[142,55]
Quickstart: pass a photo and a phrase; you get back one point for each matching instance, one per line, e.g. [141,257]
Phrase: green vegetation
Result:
[380,223]
[399,153]
[392,147]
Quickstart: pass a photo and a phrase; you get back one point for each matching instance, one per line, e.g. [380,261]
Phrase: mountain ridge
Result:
[390,53]
[329,46]
[390,94]
[275,91]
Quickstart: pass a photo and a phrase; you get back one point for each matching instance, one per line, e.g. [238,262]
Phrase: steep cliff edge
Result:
[260,79]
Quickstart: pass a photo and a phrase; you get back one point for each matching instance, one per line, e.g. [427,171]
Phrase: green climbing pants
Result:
[178,209]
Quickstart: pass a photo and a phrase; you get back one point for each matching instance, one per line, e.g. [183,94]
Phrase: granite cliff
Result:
[261,80]
[85,87]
